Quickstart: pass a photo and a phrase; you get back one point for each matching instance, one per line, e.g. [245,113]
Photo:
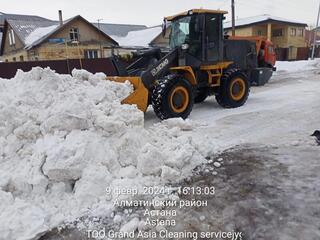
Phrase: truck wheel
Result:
[172,97]
[201,95]
[234,89]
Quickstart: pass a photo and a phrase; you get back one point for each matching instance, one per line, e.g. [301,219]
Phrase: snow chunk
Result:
[150,160]
[217,164]
[169,173]
[130,226]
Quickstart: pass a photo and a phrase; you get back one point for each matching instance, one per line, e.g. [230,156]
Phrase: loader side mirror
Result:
[164,27]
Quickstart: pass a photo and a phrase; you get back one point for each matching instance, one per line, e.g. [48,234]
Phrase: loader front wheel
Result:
[234,89]
[172,97]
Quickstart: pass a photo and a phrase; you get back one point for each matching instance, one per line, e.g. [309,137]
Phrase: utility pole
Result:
[101,53]
[315,35]
[233,18]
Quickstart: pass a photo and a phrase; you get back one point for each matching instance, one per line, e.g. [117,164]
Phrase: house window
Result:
[12,40]
[74,34]
[90,54]
[14,59]
[277,32]
[300,32]
[293,32]
[259,33]
[21,58]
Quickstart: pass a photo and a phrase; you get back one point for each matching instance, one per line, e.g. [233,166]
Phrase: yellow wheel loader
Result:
[199,63]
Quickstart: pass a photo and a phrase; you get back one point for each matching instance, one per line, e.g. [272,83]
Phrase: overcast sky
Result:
[151,12]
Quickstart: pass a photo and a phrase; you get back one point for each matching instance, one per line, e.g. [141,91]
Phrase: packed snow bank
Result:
[297,66]
[64,139]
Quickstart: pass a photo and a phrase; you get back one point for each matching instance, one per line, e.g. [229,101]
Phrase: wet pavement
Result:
[267,193]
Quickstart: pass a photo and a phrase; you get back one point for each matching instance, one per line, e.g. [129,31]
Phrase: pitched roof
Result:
[140,38]
[4,16]
[119,30]
[33,32]
[261,19]
[29,31]
[24,25]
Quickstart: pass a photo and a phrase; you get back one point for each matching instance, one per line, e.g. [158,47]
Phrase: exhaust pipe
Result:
[60,18]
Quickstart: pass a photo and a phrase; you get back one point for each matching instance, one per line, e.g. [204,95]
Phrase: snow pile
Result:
[297,66]
[64,140]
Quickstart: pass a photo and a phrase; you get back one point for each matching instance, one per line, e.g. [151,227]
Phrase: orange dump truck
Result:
[266,58]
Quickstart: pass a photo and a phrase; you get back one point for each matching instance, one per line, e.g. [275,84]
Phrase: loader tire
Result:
[201,95]
[234,89]
[172,97]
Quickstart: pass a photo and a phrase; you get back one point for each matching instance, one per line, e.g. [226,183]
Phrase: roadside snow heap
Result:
[64,139]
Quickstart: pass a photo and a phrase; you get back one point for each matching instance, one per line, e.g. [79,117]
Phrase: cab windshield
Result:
[180,31]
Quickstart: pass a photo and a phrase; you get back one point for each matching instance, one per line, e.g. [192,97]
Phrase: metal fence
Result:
[8,70]
[302,53]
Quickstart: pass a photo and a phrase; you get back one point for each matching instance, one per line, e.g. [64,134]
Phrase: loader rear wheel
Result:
[234,89]
[172,97]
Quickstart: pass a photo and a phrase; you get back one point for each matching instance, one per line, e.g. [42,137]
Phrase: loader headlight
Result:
[185,46]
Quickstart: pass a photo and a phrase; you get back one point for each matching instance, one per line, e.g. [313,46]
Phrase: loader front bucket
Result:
[140,93]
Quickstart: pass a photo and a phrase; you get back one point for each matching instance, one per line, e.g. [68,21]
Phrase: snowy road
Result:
[286,110]
[265,193]
[268,185]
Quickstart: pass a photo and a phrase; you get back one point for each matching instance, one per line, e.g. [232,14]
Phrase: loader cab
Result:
[198,34]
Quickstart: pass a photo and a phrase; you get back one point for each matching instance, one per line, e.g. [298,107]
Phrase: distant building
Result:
[309,37]
[288,36]
[29,38]
[119,30]
[141,38]
[121,33]
[160,40]
[18,17]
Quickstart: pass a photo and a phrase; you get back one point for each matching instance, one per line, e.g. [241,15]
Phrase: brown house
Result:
[288,36]
[42,39]
[310,36]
